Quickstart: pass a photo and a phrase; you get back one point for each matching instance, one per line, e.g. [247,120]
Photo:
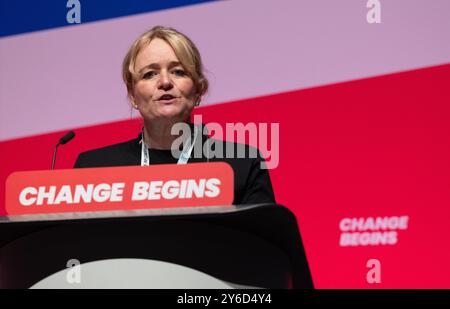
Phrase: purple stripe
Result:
[64,78]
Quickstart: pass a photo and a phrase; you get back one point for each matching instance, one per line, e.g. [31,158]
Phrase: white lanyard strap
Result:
[185,153]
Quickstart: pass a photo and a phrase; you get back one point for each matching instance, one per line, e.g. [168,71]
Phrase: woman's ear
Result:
[198,98]
[133,101]
[201,91]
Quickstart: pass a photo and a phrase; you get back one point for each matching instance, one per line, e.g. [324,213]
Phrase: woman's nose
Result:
[164,82]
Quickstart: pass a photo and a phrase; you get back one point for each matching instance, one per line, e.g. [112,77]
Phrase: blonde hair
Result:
[184,49]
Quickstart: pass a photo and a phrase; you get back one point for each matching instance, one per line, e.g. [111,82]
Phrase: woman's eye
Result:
[149,74]
[179,72]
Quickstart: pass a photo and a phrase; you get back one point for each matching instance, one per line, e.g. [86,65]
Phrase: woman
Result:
[164,77]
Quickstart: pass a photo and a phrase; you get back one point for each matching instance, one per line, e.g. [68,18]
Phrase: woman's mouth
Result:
[167,99]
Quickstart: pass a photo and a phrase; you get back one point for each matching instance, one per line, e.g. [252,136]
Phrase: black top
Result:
[251,182]
[158,156]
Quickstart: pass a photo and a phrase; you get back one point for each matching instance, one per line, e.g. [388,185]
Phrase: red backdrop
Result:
[368,148]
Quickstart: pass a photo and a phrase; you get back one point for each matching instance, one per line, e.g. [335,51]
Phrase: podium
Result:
[249,246]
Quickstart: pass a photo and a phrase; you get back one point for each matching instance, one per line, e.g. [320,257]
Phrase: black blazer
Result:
[251,183]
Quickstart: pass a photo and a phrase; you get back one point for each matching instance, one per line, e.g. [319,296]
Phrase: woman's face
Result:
[164,90]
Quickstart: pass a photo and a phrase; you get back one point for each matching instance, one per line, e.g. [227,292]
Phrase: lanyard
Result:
[184,156]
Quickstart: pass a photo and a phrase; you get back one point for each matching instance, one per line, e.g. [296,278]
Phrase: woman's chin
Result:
[170,112]
[173,110]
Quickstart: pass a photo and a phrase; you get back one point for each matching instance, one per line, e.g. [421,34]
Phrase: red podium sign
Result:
[119,188]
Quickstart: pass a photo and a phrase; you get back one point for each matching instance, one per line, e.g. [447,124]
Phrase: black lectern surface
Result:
[255,246]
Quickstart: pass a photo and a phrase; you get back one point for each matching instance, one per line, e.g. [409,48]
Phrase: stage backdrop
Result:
[363,111]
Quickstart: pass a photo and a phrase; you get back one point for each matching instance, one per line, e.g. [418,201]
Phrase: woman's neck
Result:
[158,135]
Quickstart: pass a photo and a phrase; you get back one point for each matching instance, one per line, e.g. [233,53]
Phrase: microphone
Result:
[66,137]
[69,135]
